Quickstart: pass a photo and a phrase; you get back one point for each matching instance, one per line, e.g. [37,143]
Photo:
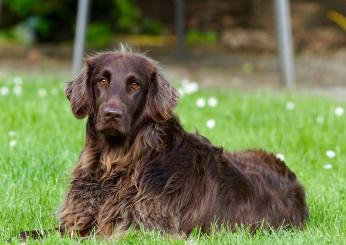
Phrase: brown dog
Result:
[140,168]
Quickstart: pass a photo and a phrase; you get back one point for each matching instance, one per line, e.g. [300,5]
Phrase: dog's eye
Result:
[134,86]
[103,82]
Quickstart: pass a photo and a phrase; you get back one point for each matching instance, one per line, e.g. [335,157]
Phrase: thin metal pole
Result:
[180,27]
[285,46]
[0,9]
[81,25]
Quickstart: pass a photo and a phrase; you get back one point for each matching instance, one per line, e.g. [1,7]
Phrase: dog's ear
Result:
[161,98]
[77,93]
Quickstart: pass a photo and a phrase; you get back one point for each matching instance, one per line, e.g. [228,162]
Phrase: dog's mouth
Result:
[111,132]
[112,128]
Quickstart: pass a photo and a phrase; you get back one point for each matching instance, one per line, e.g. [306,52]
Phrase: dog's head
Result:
[120,88]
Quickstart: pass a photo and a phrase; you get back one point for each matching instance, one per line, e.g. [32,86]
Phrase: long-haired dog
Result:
[140,168]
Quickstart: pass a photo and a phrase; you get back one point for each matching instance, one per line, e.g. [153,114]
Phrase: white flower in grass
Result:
[211,123]
[330,154]
[280,156]
[4,91]
[12,133]
[17,80]
[339,111]
[191,88]
[200,102]
[42,92]
[188,87]
[12,143]
[290,105]
[212,101]
[17,90]
[320,119]
[181,91]
[327,166]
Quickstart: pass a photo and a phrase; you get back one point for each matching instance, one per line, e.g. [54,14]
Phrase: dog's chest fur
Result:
[117,202]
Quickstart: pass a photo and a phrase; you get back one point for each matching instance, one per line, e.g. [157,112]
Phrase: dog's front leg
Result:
[77,216]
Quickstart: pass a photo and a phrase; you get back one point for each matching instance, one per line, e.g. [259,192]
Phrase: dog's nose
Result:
[112,113]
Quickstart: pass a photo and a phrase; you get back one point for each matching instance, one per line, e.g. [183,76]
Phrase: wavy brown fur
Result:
[160,177]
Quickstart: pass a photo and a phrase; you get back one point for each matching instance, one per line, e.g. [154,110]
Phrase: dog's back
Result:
[277,198]
[193,183]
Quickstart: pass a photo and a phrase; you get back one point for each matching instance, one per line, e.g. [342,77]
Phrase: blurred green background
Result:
[207,21]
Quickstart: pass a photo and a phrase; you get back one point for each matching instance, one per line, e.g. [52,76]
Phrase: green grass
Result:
[34,174]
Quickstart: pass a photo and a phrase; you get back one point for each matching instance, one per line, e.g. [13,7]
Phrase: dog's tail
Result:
[39,234]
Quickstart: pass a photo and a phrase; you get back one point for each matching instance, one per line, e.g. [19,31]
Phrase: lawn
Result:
[40,142]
